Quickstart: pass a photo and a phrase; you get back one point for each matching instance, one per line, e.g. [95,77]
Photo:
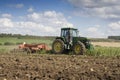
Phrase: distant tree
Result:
[114,37]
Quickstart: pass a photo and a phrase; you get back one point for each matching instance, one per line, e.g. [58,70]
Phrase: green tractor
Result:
[69,40]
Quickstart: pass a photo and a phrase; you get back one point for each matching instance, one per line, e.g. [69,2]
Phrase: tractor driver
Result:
[68,37]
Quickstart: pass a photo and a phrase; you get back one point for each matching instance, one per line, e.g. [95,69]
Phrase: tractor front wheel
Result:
[79,48]
[58,46]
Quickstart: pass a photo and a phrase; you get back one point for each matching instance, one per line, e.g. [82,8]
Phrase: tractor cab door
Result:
[67,35]
[74,36]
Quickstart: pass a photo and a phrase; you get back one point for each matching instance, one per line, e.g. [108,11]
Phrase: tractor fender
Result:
[61,38]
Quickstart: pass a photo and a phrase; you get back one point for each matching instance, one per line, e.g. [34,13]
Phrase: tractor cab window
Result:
[74,33]
[65,33]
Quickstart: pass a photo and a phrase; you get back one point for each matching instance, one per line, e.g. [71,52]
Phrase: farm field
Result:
[100,48]
[102,63]
[60,40]
[58,67]
[106,44]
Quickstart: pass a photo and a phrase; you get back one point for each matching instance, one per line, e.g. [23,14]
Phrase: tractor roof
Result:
[68,29]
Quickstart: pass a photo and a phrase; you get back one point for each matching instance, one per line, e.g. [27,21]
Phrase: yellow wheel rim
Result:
[57,47]
[77,49]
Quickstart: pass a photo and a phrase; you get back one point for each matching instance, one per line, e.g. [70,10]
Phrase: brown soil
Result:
[58,67]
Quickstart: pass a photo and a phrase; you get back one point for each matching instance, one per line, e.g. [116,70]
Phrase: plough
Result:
[32,48]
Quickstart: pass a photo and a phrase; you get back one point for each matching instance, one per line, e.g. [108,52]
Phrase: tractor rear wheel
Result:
[58,46]
[79,48]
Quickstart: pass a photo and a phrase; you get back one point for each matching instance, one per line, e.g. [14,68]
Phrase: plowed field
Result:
[58,67]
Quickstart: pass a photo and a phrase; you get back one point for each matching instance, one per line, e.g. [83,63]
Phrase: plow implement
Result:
[31,48]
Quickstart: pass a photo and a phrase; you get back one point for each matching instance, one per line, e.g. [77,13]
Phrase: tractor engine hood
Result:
[82,39]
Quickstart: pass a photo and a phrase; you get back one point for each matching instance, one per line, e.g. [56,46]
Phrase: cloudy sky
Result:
[93,18]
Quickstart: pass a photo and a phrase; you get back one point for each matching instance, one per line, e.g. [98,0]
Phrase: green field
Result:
[27,40]
[104,51]
[98,51]
[14,42]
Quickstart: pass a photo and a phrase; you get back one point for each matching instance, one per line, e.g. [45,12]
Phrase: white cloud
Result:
[69,17]
[5,23]
[47,23]
[94,3]
[99,8]
[102,11]
[111,29]
[95,32]
[92,29]
[49,29]
[34,16]
[115,25]
[51,14]
[30,9]
[6,15]
[49,18]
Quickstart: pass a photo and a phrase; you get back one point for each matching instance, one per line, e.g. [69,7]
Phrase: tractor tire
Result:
[58,46]
[79,48]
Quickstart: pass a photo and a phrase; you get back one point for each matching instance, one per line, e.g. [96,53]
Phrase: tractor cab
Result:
[68,34]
